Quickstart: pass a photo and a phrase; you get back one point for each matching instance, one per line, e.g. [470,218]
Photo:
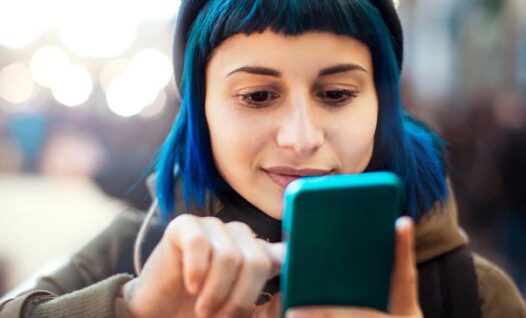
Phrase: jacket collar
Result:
[438,232]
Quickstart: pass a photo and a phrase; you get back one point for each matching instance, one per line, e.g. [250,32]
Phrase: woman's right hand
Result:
[203,267]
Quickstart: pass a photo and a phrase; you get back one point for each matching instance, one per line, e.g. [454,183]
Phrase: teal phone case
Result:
[340,240]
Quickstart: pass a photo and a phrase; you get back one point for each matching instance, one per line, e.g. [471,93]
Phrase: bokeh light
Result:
[48,64]
[99,28]
[158,9]
[125,96]
[112,70]
[16,84]
[74,87]
[102,39]
[139,85]
[153,67]
[96,29]
[20,24]
[156,108]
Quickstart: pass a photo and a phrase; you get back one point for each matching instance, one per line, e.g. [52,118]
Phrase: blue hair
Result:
[402,144]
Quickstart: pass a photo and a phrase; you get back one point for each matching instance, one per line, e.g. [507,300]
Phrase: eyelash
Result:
[348,95]
[248,98]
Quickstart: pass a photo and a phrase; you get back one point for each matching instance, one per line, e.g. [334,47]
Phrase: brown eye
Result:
[259,98]
[335,94]
[336,97]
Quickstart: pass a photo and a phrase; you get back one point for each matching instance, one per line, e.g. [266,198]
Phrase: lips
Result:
[283,176]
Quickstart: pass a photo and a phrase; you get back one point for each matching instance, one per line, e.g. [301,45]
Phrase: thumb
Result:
[404,284]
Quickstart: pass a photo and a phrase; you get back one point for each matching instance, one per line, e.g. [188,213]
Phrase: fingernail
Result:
[403,222]
[295,313]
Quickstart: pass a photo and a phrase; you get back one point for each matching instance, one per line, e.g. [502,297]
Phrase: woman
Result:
[272,91]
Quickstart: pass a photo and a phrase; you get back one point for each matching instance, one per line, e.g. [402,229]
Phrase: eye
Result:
[258,99]
[336,97]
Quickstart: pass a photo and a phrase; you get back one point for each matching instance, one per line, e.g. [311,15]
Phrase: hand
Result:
[206,268]
[404,285]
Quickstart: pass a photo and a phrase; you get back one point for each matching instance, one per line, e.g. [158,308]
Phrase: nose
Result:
[300,130]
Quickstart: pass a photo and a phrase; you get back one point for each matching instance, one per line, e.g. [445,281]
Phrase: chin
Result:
[276,211]
[271,208]
[278,215]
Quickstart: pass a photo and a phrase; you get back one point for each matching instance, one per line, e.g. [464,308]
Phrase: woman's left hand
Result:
[404,286]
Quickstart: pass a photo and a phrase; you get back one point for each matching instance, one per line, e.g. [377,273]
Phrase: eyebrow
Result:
[257,70]
[266,71]
[341,68]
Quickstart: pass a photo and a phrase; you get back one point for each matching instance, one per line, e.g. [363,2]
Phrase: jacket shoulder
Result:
[82,281]
[96,260]
[99,258]
[498,295]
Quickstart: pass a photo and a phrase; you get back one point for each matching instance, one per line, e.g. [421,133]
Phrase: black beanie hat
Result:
[190,9]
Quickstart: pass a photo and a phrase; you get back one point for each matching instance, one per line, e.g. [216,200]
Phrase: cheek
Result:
[354,144]
[235,139]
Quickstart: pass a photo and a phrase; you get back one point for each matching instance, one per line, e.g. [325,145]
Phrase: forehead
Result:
[310,50]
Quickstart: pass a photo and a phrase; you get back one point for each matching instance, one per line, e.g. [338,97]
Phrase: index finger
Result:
[276,252]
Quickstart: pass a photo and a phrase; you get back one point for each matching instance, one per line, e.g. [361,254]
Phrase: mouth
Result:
[283,175]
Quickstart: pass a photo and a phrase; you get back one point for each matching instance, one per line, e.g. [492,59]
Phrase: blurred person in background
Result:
[511,115]
[61,205]
[205,169]
[476,101]
[467,80]
[69,152]
[11,158]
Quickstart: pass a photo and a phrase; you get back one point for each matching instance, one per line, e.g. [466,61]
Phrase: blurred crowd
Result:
[464,75]
[466,78]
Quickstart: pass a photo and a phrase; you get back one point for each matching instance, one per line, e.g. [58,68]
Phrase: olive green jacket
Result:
[86,286]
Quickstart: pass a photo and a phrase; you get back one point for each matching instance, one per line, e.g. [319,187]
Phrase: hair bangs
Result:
[220,20]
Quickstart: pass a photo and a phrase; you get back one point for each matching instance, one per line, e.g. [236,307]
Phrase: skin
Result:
[278,108]
[313,119]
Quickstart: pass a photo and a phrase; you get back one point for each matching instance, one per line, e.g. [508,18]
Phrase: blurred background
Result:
[87,96]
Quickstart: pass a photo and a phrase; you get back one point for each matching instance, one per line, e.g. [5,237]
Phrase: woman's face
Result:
[284,107]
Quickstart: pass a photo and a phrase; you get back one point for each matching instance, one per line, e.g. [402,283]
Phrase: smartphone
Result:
[340,235]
